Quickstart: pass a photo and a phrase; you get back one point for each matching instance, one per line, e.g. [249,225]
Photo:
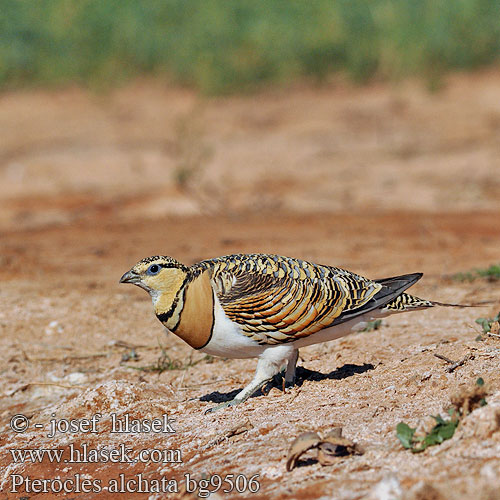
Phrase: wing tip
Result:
[401,282]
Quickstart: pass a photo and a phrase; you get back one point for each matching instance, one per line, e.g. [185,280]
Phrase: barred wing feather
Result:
[278,299]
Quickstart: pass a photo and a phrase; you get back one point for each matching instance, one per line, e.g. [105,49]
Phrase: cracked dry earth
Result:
[75,343]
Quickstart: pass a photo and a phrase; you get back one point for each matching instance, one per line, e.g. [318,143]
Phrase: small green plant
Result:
[491,273]
[467,276]
[130,355]
[487,323]
[162,364]
[463,404]
[208,359]
[165,363]
[372,325]
[480,383]
[191,150]
[443,430]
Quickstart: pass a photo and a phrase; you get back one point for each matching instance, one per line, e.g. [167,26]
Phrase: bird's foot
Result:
[288,385]
[226,404]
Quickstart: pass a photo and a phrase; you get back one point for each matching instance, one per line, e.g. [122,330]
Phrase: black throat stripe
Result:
[165,316]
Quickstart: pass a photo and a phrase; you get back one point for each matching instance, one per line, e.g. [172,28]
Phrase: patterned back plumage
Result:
[280,299]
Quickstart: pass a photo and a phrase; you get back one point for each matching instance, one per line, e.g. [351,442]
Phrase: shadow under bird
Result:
[266,306]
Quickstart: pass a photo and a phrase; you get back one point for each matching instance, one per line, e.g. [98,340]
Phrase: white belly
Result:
[335,332]
[228,340]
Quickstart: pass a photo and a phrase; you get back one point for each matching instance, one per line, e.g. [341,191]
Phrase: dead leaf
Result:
[336,432]
[327,454]
[330,448]
[302,443]
[335,446]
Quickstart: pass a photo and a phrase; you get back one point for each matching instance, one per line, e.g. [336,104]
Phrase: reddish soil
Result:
[378,180]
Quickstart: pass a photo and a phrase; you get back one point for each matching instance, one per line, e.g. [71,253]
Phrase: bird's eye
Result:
[153,269]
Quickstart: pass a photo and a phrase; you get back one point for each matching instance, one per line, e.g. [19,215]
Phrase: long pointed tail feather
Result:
[407,302]
[475,304]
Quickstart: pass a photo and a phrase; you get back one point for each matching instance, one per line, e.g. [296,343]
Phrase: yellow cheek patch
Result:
[168,282]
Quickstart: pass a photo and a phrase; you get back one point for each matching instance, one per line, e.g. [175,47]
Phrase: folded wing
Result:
[278,299]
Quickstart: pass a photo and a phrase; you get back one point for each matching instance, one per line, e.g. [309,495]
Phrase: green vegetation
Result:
[487,323]
[372,325]
[491,273]
[443,430]
[219,46]
[162,364]
[463,403]
[165,363]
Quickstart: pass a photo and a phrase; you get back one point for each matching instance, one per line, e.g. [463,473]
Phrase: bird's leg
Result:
[290,369]
[269,364]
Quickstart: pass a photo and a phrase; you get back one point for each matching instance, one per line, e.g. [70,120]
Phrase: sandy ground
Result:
[378,180]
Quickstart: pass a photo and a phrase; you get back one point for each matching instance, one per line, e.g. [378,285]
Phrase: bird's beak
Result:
[130,277]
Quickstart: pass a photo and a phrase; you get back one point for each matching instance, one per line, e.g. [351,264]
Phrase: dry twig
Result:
[27,386]
[455,364]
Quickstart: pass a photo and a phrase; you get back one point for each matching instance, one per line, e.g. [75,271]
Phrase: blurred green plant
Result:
[491,273]
[219,47]
[443,430]
[165,363]
[487,323]
[191,149]
[463,404]
[372,325]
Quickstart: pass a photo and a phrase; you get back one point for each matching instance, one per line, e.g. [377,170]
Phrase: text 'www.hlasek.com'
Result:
[72,455]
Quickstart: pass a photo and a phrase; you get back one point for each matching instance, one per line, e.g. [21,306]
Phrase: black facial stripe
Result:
[165,316]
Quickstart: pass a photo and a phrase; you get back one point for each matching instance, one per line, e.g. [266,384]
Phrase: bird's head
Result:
[157,275]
